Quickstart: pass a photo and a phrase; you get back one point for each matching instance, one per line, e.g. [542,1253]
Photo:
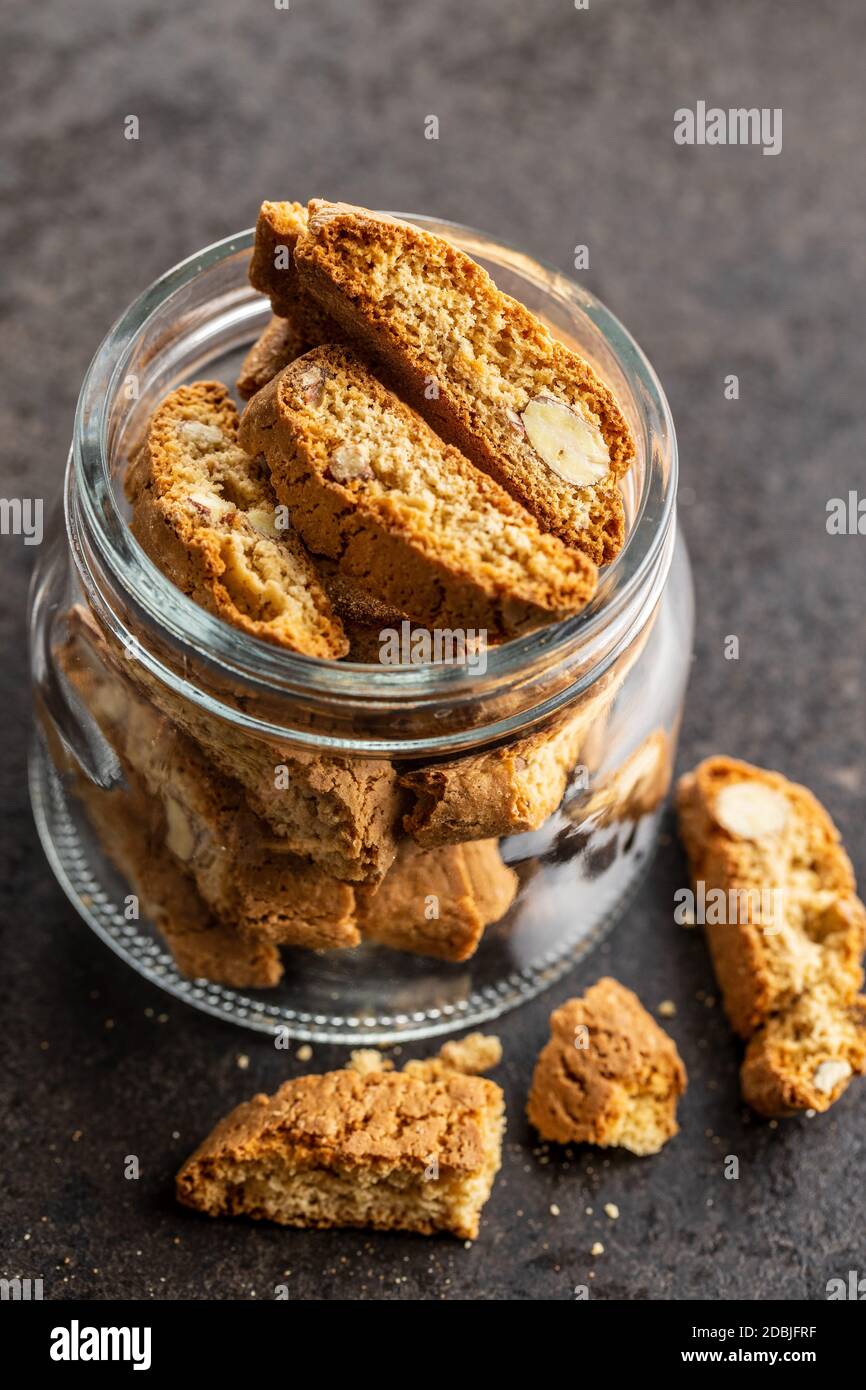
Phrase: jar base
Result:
[372,995]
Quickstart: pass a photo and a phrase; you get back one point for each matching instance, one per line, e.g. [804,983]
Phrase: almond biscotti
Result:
[609,1075]
[279,343]
[342,813]
[437,902]
[367,1148]
[130,825]
[785,928]
[502,791]
[477,364]
[247,877]
[205,513]
[369,484]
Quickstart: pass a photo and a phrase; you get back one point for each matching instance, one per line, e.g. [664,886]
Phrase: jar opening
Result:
[191,323]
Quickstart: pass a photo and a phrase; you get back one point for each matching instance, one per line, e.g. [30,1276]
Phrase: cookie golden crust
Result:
[787,945]
[377,1149]
[609,1075]
[370,485]
[272,272]
[438,902]
[205,513]
[521,405]
[277,345]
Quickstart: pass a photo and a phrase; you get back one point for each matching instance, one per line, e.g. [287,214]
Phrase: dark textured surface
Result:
[556,129]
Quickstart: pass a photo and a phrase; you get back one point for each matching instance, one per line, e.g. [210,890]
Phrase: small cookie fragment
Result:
[369,484]
[609,1075]
[279,343]
[787,948]
[382,1149]
[523,406]
[206,514]
[471,1056]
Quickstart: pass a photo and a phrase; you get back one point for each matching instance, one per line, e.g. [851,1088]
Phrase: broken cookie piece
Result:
[803,1058]
[370,1148]
[206,515]
[608,1076]
[368,483]
[785,928]
[438,902]
[521,405]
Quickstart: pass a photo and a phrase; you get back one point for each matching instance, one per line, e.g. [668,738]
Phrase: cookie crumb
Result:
[304,1052]
[612,1210]
[243,1061]
[554,1209]
[597,1249]
[667,1008]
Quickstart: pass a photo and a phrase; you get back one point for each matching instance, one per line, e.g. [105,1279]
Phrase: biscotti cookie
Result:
[340,812]
[369,484]
[279,343]
[437,902]
[272,272]
[247,877]
[790,918]
[502,791]
[477,364]
[206,515]
[609,1075]
[131,829]
[785,928]
[378,1149]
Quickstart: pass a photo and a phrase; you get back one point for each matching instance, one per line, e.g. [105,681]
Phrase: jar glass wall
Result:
[445,840]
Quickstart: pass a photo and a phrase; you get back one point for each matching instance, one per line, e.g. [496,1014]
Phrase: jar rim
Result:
[148,593]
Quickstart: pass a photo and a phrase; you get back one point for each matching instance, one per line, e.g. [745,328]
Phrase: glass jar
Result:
[551,764]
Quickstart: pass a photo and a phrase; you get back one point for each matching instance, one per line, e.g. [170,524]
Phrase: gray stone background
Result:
[555,129]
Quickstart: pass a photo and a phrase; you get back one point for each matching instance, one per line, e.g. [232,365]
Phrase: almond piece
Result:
[313,383]
[180,836]
[206,436]
[263,520]
[751,811]
[347,463]
[568,439]
[829,1074]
